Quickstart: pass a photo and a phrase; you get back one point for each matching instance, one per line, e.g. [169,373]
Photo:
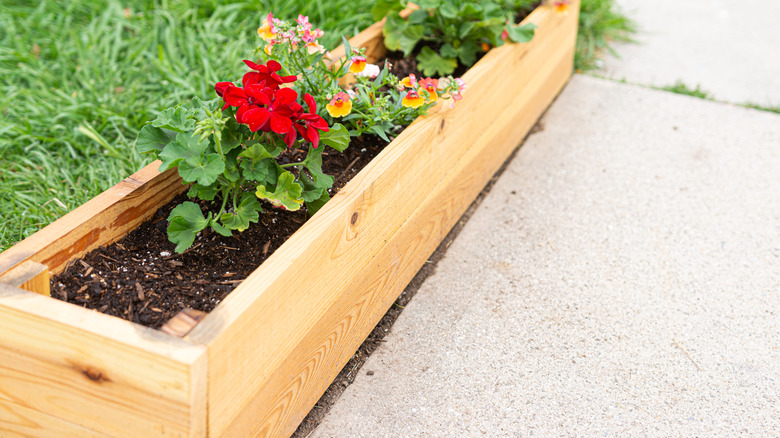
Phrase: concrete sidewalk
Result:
[621,278]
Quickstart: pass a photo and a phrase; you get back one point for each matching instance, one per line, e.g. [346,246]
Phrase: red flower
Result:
[267,74]
[312,123]
[264,106]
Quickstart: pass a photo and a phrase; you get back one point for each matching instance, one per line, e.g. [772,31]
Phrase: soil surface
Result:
[140,278]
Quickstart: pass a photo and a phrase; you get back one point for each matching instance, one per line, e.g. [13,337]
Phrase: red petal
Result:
[273,66]
[257,92]
[253,66]
[285,96]
[289,139]
[311,102]
[314,136]
[220,87]
[234,96]
[242,110]
[256,118]
[280,124]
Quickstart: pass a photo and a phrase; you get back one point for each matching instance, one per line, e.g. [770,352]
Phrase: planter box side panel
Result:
[127,382]
[360,251]
[102,220]
[19,421]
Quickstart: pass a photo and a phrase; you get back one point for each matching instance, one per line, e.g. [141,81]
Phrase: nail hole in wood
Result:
[441,126]
[354,218]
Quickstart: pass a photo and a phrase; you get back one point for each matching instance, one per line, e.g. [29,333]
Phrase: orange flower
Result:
[485,47]
[409,81]
[267,31]
[561,6]
[358,64]
[412,100]
[430,85]
[340,105]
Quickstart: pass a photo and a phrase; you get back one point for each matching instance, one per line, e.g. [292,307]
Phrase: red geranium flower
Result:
[312,123]
[267,74]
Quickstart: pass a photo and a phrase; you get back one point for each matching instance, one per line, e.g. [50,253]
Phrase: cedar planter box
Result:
[259,361]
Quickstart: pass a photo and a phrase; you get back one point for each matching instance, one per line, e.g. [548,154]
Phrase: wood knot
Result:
[441,125]
[93,374]
[354,219]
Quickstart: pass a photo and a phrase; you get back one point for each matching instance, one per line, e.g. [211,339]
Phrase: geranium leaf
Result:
[382,7]
[392,30]
[448,10]
[260,151]
[185,147]
[432,64]
[153,139]
[260,170]
[219,228]
[206,193]
[286,194]
[409,38]
[185,222]
[204,170]
[246,213]
[467,52]
[337,137]
[521,34]
[315,205]
[176,119]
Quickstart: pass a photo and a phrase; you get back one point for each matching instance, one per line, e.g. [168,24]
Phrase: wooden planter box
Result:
[260,361]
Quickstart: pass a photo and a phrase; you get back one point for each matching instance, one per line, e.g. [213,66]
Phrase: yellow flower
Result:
[267,31]
[561,6]
[412,99]
[340,105]
[430,85]
[358,64]
[409,81]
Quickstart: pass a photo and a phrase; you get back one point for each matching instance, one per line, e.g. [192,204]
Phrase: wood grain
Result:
[30,276]
[17,421]
[100,221]
[112,377]
[361,249]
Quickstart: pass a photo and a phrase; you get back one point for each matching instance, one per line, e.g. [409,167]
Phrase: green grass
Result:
[601,23]
[680,88]
[78,79]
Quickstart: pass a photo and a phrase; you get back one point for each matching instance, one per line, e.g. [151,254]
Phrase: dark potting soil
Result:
[141,279]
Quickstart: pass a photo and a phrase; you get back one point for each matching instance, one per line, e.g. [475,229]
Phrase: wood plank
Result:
[22,422]
[30,276]
[100,221]
[350,230]
[183,322]
[98,371]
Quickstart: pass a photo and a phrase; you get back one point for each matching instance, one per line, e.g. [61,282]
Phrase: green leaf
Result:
[247,212]
[314,206]
[376,129]
[153,139]
[448,51]
[261,171]
[260,151]
[206,193]
[467,53]
[185,147]
[392,31]
[427,4]
[409,38]
[337,137]
[521,34]
[314,185]
[286,194]
[231,136]
[185,222]
[204,170]
[176,119]
[432,64]
[382,7]
[448,10]
[216,226]
[231,171]
[417,17]
[465,28]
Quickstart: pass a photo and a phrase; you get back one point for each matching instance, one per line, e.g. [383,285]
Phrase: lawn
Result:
[80,78]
